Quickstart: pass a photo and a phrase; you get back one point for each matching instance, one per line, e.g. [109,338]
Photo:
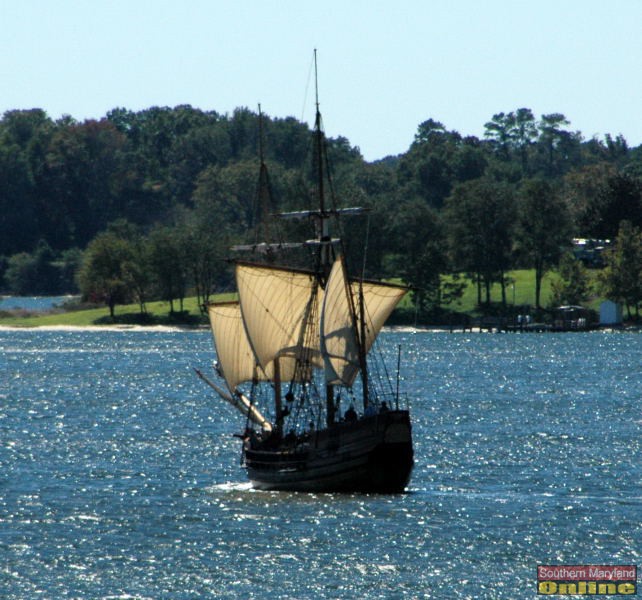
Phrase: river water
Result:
[119,477]
[33,303]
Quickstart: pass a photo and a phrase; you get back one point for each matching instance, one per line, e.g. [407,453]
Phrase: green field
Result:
[521,293]
[157,314]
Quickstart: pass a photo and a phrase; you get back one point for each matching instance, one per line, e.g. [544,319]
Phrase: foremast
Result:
[326,249]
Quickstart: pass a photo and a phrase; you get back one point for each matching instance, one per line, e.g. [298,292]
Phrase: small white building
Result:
[610,313]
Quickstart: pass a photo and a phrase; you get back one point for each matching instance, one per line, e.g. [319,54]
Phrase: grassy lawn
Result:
[519,293]
[157,314]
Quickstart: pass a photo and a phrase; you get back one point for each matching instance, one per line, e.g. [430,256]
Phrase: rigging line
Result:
[384,367]
[307,86]
[307,336]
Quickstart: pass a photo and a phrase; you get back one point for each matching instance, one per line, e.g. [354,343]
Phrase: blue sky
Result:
[384,67]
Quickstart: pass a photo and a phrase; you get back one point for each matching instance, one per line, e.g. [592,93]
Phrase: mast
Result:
[325,243]
[263,195]
[261,146]
[319,140]
[361,346]
[325,259]
[323,232]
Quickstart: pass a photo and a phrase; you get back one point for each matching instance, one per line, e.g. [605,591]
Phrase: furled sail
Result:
[280,312]
[339,332]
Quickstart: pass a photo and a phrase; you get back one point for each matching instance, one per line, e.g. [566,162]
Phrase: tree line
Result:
[143,205]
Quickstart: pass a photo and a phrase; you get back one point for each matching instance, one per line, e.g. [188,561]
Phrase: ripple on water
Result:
[119,477]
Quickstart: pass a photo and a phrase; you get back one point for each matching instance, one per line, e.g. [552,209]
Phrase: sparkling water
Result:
[120,478]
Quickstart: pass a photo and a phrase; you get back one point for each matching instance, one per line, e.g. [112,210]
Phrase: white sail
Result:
[339,345]
[339,331]
[380,300]
[280,313]
[235,357]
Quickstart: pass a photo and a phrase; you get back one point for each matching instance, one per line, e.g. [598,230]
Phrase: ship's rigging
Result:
[302,338]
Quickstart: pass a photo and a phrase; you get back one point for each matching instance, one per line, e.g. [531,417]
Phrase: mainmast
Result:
[325,242]
[326,259]
[319,140]
[323,233]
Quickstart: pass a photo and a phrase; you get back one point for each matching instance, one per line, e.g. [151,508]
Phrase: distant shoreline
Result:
[115,327]
[124,328]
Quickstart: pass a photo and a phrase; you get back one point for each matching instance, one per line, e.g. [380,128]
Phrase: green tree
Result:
[86,177]
[168,263]
[480,218]
[620,200]
[437,160]
[621,280]
[24,136]
[377,184]
[109,266]
[287,142]
[499,130]
[524,133]
[226,196]
[573,285]
[558,147]
[205,254]
[633,164]
[101,277]
[513,133]
[601,197]
[21,274]
[69,262]
[420,251]
[34,273]
[543,228]
[583,192]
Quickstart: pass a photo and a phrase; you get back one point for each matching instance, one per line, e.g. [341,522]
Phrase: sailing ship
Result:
[294,355]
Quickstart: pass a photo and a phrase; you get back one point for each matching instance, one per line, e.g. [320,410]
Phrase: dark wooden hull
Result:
[373,454]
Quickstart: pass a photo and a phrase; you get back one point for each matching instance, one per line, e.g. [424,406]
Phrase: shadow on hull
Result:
[373,454]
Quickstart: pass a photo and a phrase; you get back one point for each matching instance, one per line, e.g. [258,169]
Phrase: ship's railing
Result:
[392,399]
